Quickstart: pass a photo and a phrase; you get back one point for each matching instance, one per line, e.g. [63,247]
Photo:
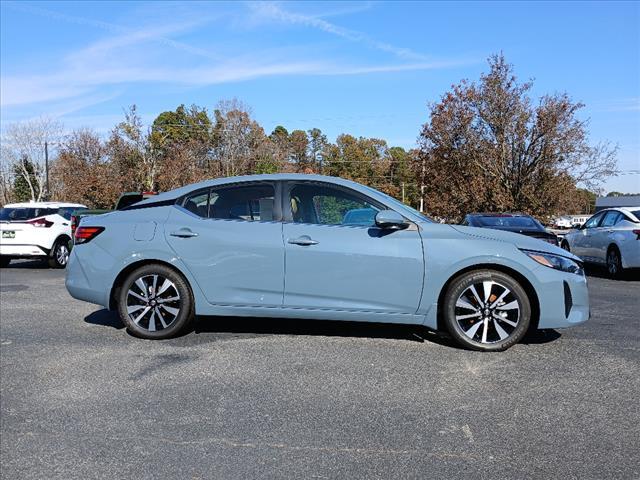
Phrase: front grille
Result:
[568,300]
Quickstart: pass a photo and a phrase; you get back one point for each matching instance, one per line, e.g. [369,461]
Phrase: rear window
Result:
[22,214]
[509,222]
[636,213]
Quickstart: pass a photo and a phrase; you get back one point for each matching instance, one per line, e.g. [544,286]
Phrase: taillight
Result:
[86,234]
[74,224]
[40,222]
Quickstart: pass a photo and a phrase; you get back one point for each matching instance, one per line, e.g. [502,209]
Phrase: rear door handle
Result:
[304,240]
[183,233]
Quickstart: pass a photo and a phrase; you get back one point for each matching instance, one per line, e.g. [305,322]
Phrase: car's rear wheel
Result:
[565,245]
[614,262]
[59,255]
[155,302]
[4,261]
[487,310]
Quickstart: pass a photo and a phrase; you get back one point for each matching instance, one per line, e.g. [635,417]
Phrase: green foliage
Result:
[181,127]
[21,190]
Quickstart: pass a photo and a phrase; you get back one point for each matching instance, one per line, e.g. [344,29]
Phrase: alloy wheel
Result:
[62,255]
[487,312]
[613,262]
[153,302]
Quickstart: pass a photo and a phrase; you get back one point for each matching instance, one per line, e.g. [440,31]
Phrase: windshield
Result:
[22,214]
[509,222]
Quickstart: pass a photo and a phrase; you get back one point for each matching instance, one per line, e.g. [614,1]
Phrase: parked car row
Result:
[512,222]
[611,237]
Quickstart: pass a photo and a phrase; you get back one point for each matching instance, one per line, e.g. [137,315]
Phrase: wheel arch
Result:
[117,283]
[526,285]
[613,245]
[62,237]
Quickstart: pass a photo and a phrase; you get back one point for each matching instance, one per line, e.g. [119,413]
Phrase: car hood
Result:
[520,241]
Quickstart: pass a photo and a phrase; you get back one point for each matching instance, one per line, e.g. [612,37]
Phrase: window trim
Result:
[289,185]
[277,210]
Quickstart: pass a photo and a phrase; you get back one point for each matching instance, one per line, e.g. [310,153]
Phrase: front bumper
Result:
[563,298]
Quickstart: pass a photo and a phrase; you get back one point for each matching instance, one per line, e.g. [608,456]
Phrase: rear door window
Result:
[24,214]
[610,219]
[252,203]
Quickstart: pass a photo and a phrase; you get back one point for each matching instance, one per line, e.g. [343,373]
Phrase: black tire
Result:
[4,261]
[152,315]
[489,326]
[565,245]
[59,255]
[614,262]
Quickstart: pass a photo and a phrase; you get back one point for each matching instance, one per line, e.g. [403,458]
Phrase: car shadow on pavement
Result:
[307,327]
[631,275]
[105,318]
[28,265]
[259,326]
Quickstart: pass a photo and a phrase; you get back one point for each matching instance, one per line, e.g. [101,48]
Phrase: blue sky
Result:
[365,68]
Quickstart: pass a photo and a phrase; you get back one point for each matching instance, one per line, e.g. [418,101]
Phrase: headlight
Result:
[556,262]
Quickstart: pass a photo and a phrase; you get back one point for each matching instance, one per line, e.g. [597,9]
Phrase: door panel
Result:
[583,242]
[353,268]
[236,257]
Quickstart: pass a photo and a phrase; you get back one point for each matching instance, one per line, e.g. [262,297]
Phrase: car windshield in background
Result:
[22,214]
[509,222]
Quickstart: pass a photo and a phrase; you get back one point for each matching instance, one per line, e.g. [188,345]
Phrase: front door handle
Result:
[304,240]
[183,233]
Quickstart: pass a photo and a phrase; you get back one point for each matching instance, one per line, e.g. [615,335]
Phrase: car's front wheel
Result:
[487,310]
[155,302]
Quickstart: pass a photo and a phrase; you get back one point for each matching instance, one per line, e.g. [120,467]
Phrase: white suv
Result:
[36,230]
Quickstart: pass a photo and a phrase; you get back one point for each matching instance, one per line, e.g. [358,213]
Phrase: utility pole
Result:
[422,185]
[46,168]
[402,192]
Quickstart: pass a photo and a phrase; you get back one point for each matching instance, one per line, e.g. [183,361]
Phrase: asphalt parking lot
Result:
[263,398]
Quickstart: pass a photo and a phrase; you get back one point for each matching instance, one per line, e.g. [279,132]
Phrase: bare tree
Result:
[23,152]
[237,138]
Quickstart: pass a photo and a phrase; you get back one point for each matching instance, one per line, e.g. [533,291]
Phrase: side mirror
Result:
[390,220]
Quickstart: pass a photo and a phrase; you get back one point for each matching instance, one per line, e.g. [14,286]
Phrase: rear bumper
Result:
[630,253]
[23,251]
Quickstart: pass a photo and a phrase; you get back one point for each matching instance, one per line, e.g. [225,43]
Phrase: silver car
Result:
[611,237]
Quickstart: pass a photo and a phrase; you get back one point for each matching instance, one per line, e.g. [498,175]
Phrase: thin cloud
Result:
[273,11]
[158,35]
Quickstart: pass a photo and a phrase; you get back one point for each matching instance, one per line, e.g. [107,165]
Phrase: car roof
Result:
[506,214]
[43,205]
[271,177]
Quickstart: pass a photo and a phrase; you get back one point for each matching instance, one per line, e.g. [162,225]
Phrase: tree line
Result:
[486,146]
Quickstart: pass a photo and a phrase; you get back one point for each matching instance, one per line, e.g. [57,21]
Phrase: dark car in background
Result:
[511,222]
